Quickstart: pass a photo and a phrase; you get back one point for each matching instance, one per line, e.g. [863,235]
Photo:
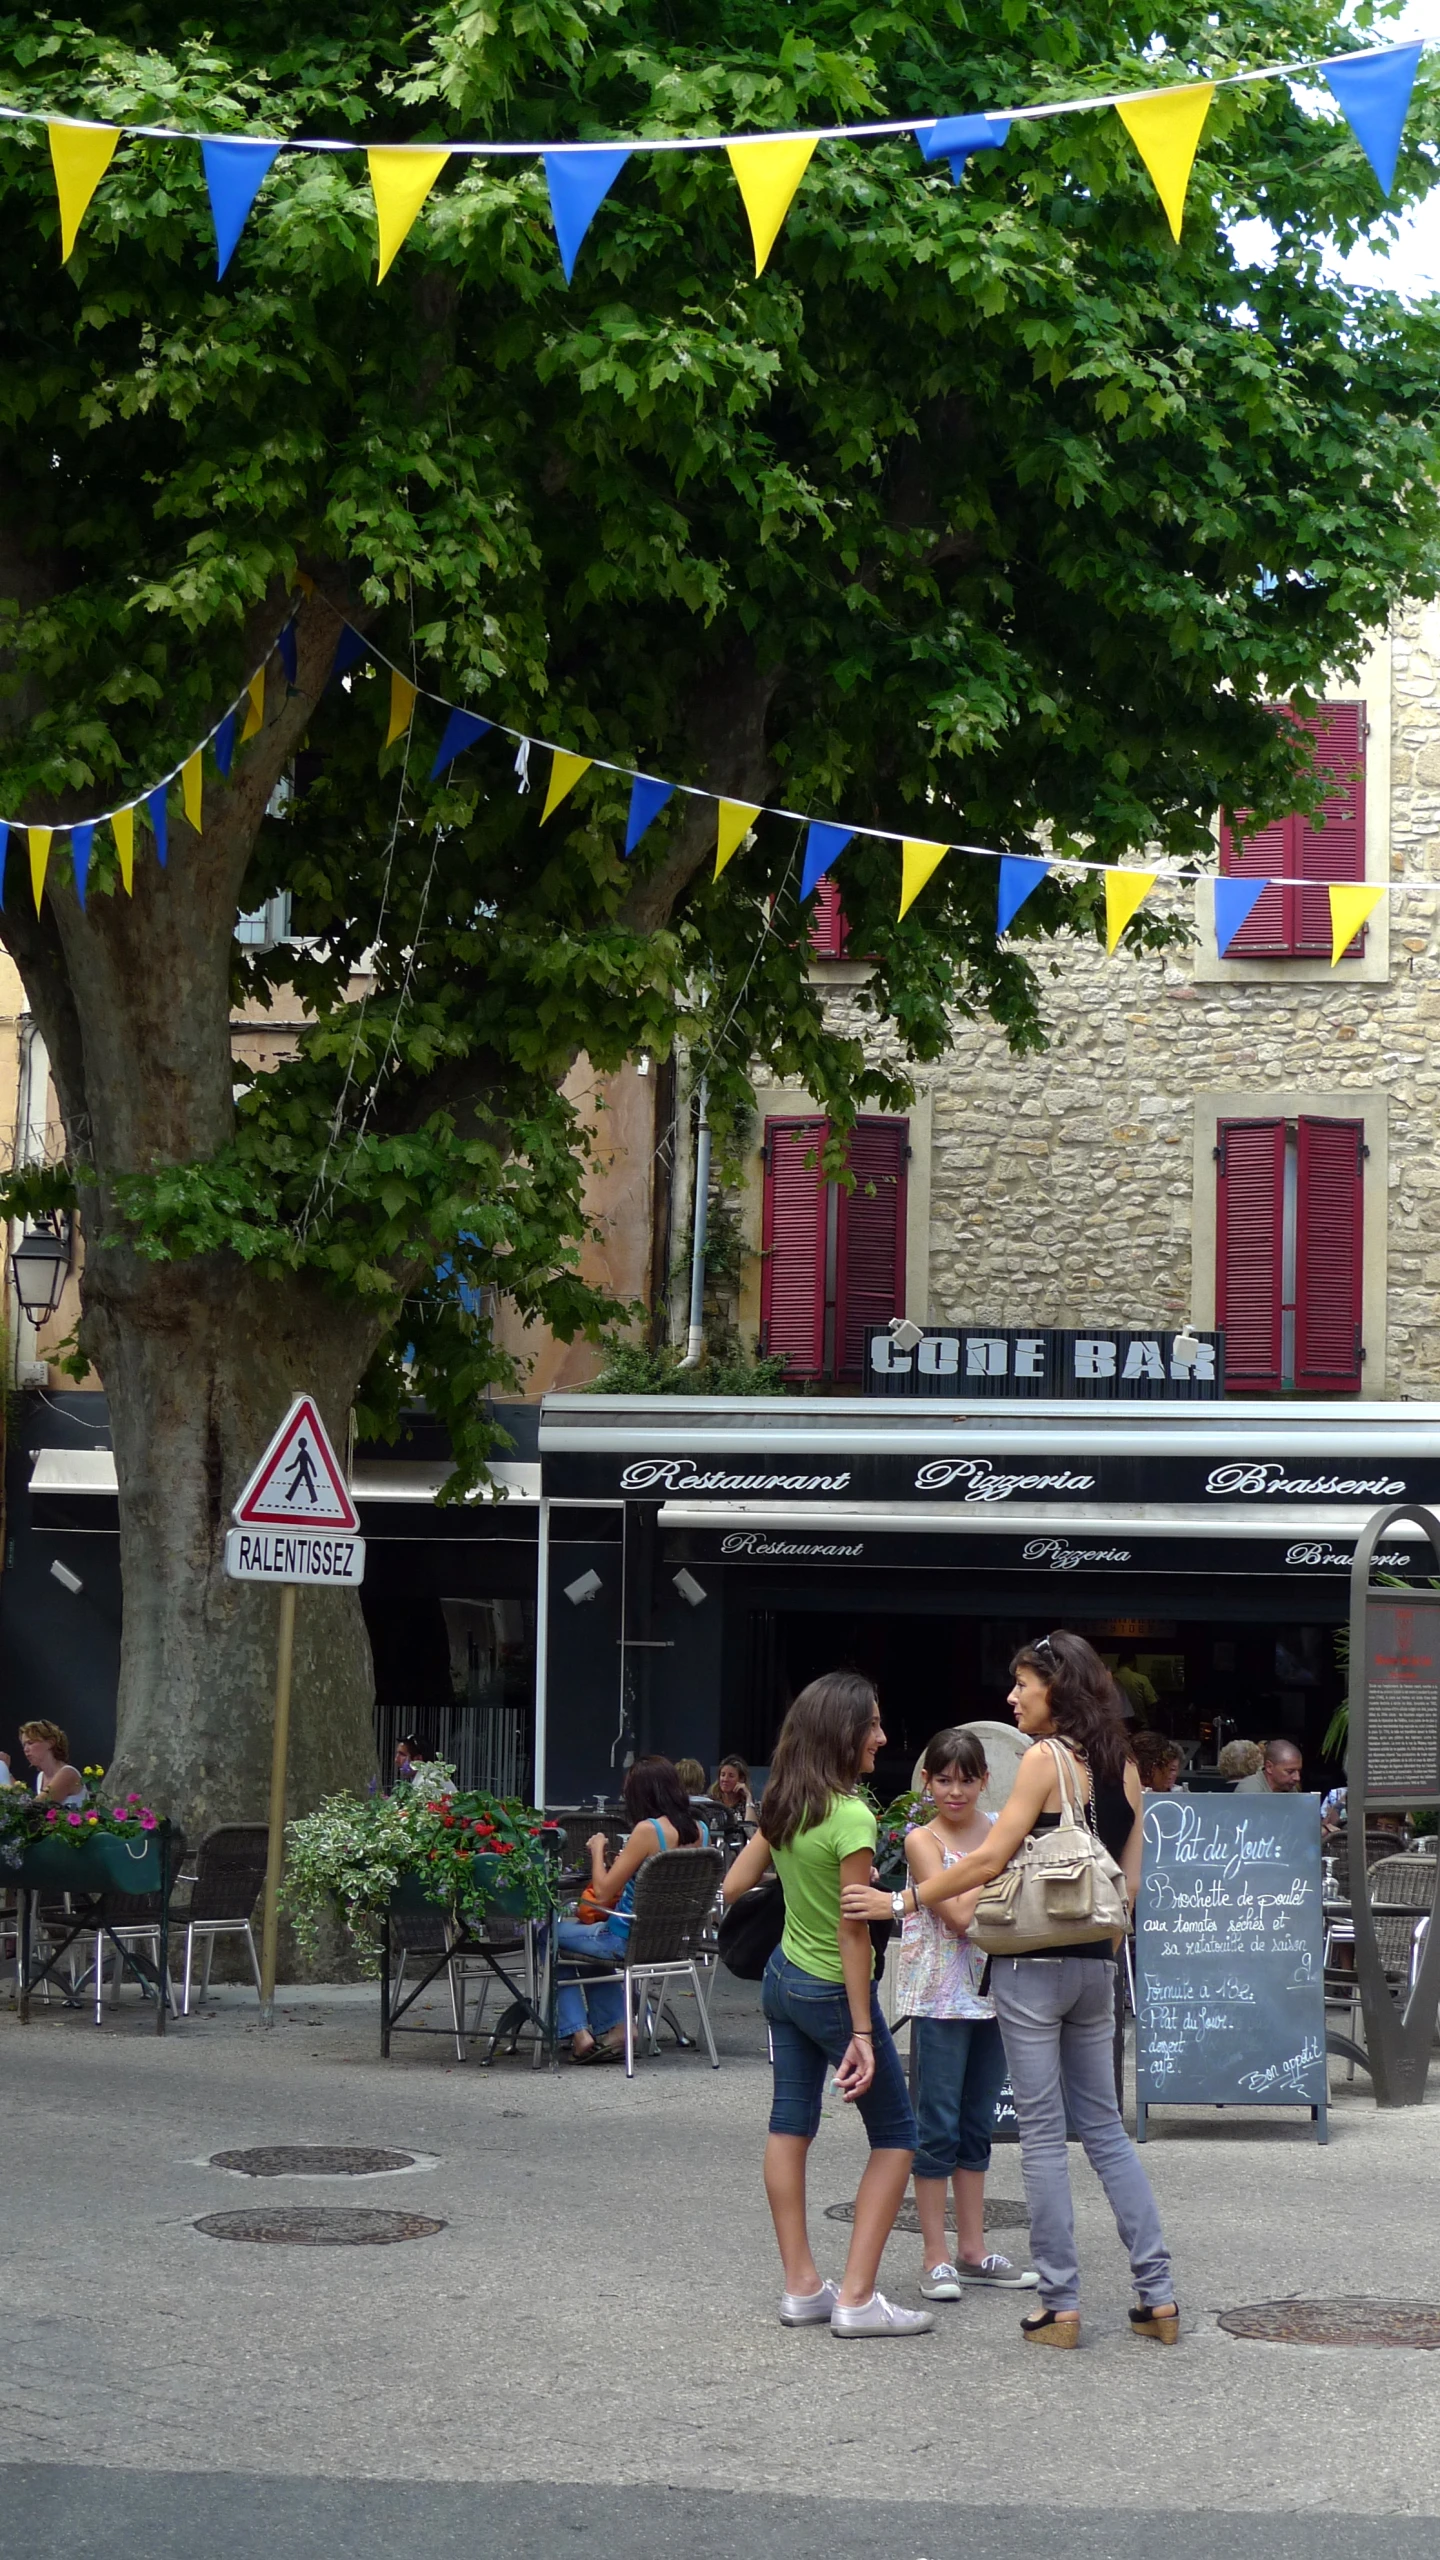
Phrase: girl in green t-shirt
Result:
[820,2003]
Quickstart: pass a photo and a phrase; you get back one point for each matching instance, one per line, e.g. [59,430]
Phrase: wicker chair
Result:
[229,1879]
[674,1895]
[1402,1883]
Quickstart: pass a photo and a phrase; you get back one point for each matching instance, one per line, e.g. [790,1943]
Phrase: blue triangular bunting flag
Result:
[823,845]
[579,182]
[955,137]
[160,820]
[1373,95]
[224,744]
[647,799]
[233,171]
[1234,900]
[353,647]
[1020,875]
[81,840]
[461,731]
[289,656]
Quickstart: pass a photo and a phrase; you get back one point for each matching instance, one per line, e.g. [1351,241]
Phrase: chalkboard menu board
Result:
[1229,1990]
[1402,1699]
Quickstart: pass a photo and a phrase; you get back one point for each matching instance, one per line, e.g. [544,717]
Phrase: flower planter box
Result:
[489,1873]
[103,1864]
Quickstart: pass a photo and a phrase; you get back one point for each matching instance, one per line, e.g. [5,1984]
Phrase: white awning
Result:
[1070,1521]
[72,1471]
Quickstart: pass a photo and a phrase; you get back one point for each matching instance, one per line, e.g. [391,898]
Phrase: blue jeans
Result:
[960,2072]
[1057,2016]
[809,2023]
[598,2005]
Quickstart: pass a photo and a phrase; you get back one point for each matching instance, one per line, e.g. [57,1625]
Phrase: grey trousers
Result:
[1057,2016]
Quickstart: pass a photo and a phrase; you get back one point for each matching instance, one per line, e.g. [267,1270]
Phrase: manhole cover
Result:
[312,2160]
[1348,2321]
[1000,2215]
[319,2226]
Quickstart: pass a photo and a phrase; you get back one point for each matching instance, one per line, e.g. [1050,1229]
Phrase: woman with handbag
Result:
[1059,1859]
[819,2001]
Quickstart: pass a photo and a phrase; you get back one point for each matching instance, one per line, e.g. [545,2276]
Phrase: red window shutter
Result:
[1335,851]
[1329,1236]
[870,1239]
[792,1273]
[1249,1249]
[829,926]
[1265,933]
[1295,922]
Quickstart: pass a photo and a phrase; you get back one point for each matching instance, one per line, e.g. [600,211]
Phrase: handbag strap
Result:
[1073,1807]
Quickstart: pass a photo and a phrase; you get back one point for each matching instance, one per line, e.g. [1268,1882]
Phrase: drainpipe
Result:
[695,1346]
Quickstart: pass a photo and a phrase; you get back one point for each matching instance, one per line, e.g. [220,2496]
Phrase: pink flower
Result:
[132,1799]
[149,1822]
[74,1821]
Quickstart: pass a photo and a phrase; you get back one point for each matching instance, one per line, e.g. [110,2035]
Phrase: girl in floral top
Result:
[959,2056]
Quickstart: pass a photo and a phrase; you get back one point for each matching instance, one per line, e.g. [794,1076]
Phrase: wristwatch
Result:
[897,1906]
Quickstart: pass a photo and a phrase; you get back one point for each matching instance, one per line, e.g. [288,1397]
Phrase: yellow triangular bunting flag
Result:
[1125,893]
[256,712]
[39,856]
[737,817]
[767,175]
[80,155]
[400,180]
[123,827]
[1351,901]
[565,772]
[403,695]
[190,788]
[1166,132]
[917,861]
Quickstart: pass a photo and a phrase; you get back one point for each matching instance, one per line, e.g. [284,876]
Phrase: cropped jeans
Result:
[1057,2016]
[809,2022]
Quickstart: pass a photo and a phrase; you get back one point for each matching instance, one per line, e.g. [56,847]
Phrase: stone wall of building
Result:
[1064,1187]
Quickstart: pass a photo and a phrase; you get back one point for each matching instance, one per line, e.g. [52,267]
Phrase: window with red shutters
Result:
[1329,1187]
[1250,1250]
[1289,1238]
[870,1239]
[793,1233]
[833,1259]
[829,925]
[1294,923]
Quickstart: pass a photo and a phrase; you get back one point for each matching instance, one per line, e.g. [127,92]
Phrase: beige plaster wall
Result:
[620,1201]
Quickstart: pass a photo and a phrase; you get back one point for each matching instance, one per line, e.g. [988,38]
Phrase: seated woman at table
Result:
[592,2014]
[47,1749]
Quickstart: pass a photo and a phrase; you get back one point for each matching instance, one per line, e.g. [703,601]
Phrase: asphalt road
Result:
[589,2347]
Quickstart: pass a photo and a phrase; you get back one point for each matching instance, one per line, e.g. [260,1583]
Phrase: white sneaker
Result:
[807,2310]
[995,2271]
[878,2318]
[942,2283]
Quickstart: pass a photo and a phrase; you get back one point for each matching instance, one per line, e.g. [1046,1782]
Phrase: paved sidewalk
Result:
[598,2317]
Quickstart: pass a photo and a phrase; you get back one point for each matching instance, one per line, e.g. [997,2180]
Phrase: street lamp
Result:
[39,1267]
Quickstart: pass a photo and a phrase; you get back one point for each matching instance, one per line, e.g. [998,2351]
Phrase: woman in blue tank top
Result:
[592,2014]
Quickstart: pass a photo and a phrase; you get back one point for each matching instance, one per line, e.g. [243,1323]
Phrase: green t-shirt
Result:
[809,1869]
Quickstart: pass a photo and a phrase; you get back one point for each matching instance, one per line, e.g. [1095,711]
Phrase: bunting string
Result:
[1371,87]
[824,840]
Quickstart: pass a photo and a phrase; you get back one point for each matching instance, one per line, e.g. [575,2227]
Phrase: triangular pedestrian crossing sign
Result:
[299,1483]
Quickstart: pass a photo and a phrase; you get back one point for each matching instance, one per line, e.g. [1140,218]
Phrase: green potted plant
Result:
[428,1844]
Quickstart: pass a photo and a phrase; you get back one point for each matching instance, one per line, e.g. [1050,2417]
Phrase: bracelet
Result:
[862,2035]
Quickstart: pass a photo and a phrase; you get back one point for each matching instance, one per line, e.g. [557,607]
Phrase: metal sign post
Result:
[296,1523]
[1393,1762]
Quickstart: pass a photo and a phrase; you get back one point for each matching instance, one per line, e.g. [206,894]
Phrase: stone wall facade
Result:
[1076,1188]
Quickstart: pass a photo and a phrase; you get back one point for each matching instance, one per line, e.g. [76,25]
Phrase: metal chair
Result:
[674,1894]
[229,1879]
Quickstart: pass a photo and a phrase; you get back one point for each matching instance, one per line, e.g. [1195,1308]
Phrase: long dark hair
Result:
[818,1755]
[652,1791]
[1086,1708]
[954,1747]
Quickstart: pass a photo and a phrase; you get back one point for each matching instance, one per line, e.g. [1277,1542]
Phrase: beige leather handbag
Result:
[1061,1889]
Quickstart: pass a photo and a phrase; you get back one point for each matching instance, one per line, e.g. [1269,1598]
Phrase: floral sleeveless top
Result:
[938,1975]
